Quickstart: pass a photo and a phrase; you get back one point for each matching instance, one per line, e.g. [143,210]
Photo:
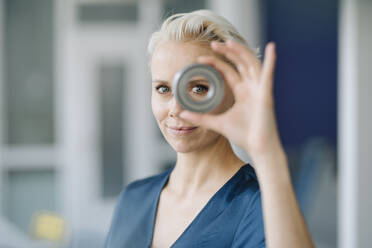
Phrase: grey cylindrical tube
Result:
[215,93]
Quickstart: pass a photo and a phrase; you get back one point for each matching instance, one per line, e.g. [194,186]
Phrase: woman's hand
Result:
[250,122]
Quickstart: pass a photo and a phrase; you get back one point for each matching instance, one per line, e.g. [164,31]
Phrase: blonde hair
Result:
[200,26]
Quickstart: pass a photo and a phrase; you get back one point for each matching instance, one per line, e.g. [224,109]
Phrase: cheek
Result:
[159,108]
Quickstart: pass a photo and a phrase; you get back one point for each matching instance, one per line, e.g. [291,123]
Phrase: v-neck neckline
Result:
[198,216]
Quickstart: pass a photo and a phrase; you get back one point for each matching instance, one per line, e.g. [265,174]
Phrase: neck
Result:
[205,169]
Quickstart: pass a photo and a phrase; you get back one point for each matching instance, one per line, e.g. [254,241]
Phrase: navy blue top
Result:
[231,218]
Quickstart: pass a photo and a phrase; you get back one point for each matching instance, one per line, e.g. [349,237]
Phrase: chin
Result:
[195,144]
[184,149]
[183,146]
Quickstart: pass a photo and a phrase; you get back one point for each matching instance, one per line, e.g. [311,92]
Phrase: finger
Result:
[247,55]
[241,65]
[230,75]
[202,119]
[267,75]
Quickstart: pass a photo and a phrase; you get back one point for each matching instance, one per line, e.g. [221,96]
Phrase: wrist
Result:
[272,166]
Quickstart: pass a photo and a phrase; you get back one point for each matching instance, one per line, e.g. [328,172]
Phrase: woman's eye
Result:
[200,89]
[163,89]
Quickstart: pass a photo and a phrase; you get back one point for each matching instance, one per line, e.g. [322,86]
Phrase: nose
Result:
[174,108]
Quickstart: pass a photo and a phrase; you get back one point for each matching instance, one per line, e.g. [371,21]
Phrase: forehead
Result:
[171,56]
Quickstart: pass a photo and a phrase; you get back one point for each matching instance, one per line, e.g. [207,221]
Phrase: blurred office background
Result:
[76,123]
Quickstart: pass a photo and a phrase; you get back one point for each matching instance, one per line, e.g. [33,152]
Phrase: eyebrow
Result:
[160,81]
[166,82]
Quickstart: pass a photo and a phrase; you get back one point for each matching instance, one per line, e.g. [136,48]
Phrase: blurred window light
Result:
[108,11]
[112,78]
[29,71]
[27,192]
[48,226]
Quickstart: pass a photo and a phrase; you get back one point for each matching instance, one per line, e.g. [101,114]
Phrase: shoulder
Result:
[250,193]
[251,227]
[133,206]
[143,187]
[247,190]
[147,182]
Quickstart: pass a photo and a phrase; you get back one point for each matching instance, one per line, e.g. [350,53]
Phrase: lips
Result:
[181,130]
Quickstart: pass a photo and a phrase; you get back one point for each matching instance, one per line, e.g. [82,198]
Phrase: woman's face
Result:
[168,58]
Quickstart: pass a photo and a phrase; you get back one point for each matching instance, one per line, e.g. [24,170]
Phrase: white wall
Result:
[80,48]
[245,15]
[1,90]
[365,125]
[355,123]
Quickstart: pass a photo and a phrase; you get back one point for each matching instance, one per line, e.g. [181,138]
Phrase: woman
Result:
[210,198]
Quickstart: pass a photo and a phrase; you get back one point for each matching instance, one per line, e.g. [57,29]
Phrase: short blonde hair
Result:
[200,26]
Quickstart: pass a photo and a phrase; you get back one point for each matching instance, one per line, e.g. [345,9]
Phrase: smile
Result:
[181,130]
